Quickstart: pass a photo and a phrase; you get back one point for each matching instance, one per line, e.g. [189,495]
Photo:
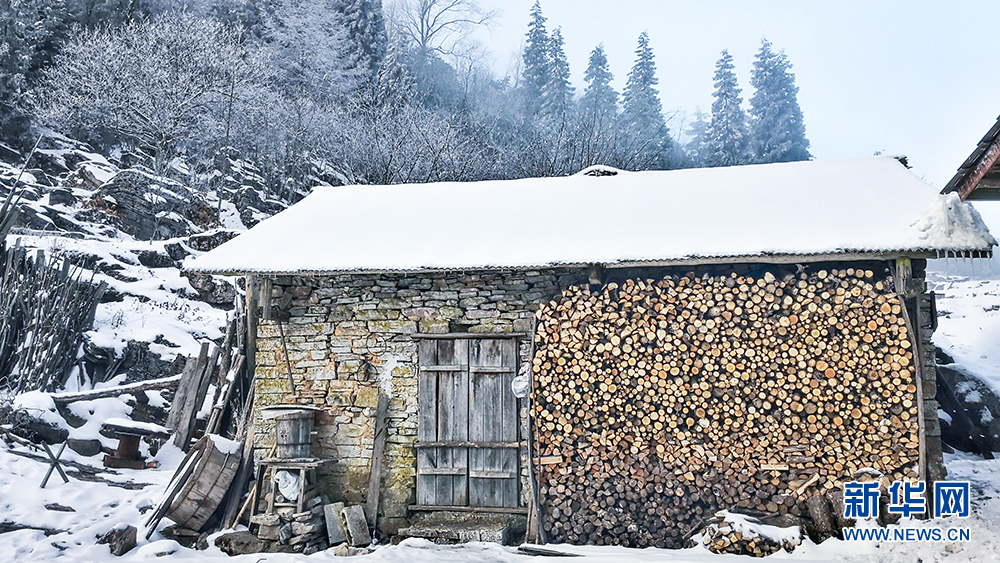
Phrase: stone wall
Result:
[349,334]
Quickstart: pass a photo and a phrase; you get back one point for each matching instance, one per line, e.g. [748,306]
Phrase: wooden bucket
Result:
[211,468]
[293,434]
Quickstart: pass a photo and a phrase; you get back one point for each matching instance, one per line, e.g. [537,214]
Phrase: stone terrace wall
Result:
[348,334]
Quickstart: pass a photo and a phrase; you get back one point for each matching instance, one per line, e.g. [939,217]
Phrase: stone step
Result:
[460,527]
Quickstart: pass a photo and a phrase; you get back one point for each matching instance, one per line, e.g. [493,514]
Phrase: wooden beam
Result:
[165,383]
[457,335]
[984,165]
[378,452]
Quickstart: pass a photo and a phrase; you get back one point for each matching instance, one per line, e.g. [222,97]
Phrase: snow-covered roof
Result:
[866,206]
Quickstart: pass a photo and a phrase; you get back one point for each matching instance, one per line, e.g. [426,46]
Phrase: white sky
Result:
[904,77]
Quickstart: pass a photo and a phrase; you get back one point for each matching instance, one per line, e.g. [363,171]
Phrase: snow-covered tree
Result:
[366,36]
[779,133]
[598,135]
[30,34]
[161,84]
[728,139]
[557,94]
[642,112]
[599,101]
[697,145]
[309,44]
[536,61]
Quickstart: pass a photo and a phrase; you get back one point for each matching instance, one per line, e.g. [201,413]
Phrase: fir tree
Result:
[366,37]
[728,139]
[697,146]
[600,101]
[597,124]
[557,92]
[779,134]
[536,61]
[642,113]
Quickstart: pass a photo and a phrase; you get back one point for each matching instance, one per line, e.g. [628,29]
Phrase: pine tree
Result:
[697,146]
[366,37]
[779,134]
[557,92]
[642,113]
[536,61]
[600,101]
[728,139]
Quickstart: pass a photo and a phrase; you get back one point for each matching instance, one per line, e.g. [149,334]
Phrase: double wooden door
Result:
[468,448]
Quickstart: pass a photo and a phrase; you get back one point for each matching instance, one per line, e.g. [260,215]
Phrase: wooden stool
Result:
[128,433]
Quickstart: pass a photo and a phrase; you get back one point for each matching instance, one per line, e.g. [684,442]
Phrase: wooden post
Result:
[378,451]
[252,298]
[903,274]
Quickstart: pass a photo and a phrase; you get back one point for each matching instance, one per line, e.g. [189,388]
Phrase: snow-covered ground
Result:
[100,506]
[969,330]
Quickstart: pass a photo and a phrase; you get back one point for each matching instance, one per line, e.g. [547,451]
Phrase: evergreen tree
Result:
[779,134]
[642,113]
[366,37]
[728,139]
[557,92]
[697,146]
[600,101]
[536,61]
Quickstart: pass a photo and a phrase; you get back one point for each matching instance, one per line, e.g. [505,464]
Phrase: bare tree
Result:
[437,27]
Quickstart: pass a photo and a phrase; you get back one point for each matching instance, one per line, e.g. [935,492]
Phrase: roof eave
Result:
[775,258]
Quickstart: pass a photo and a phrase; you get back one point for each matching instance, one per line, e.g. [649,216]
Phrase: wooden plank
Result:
[492,474]
[427,424]
[445,485]
[378,450]
[441,471]
[177,406]
[189,405]
[442,368]
[492,369]
[510,489]
[460,431]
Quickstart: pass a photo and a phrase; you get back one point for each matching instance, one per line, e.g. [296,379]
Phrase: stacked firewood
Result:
[741,535]
[656,403]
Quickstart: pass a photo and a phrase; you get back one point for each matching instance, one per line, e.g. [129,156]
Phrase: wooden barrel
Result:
[214,462]
[293,434]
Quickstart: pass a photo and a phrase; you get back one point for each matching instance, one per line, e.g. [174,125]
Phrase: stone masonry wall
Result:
[349,334]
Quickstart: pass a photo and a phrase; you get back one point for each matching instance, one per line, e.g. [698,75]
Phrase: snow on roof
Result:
[857,206]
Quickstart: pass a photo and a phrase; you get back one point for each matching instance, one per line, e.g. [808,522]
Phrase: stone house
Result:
[440,296]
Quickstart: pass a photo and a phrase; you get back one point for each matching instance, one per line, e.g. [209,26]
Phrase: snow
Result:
[799,208]
[129,423]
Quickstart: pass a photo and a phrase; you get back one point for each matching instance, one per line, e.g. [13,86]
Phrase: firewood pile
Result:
[741,535]
[656,403]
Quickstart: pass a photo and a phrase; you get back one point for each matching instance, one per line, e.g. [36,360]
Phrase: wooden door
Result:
[467,451]
[493,477]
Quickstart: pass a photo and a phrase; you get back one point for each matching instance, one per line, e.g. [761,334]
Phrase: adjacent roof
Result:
[870,206]
[979,176]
